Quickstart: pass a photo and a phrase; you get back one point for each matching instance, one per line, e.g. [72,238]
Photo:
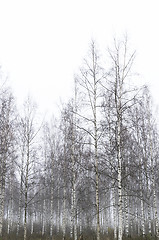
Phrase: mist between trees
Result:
[93,173]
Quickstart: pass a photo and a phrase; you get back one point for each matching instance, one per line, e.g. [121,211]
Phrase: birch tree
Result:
[68,130]
[89,81]
[28,134]
[6,142]
[52,156]
[123,96]
[150,147]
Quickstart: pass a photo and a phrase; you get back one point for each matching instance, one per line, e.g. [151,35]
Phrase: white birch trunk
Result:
[64,213]
[74,207]
[114,215]
[11,221]
[97,193]
[10,214]
[64,200]
[74,213]
[96,147]
[149,218]
[32,223]
[120,214]
[142,203]
[126,217]
[26,206]
[1,207]
[80,222]
[43,218]
[26,188]
[71,227]
[20,198]
[25,223]
[8,217]
[51,205]
[58,212]
[33,217]
[142,217]
[120,218]
[131,216]
[9,207]
[148,198]
[137,219]
[2,194]
[106,220]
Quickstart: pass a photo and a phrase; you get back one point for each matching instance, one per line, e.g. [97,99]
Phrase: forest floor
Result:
[84,236]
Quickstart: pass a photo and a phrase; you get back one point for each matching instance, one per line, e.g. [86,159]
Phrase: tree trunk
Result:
[26,190]
[2,190]
[97,192]
[20,193]
[43,218]
[142,217]
[64,212]
[126,217]
[51,206]
[120,214]
[2,193]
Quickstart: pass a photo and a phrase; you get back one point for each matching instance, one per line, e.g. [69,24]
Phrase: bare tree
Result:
[123,97]
[28,134]
[6,142]
[89,81]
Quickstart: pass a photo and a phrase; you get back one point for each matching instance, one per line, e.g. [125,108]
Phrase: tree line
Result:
[93,172]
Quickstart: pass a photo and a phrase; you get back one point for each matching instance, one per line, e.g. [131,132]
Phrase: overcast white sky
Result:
[43,42]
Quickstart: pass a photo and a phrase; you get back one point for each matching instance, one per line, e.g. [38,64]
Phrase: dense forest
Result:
[92,173]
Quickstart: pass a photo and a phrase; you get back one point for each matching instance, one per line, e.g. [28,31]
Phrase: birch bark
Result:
[2,180]
[118,96]
[74,206]
[52,196]
[114,215]
[94,110]
[120,220]
[2,193]
[20,192]
[126,217]
[64,195]
[26,186]
[43,217]
[64,214]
